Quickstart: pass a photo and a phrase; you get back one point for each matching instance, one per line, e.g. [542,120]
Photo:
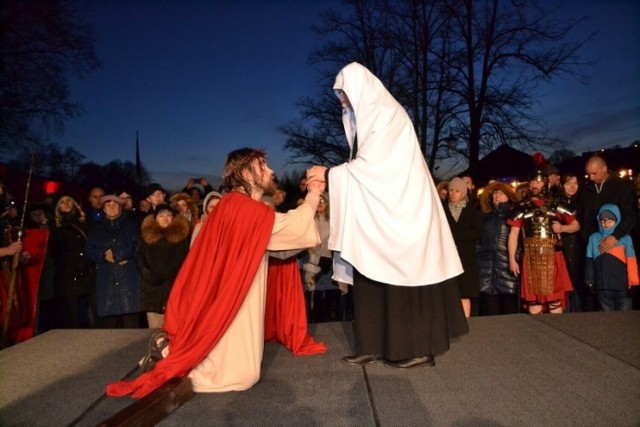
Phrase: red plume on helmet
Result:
[539,161]
[540,167]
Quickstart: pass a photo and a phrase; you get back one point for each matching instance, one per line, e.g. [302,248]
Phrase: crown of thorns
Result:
[255,154]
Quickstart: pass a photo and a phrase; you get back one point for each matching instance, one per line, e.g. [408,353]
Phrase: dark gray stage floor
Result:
[571,369]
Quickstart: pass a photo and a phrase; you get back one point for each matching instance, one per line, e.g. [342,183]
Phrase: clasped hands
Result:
[315,179]
[108,256]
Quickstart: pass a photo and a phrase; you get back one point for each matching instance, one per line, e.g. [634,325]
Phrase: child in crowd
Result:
[611,273]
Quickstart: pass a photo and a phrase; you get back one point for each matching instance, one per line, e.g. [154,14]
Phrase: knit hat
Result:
[458,184]
[152,188]
[111,198]
[607,214]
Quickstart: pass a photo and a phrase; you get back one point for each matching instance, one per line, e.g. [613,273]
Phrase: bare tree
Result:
[42,42]
[506,48]
[318,135]
[465,71]
[421,36]
[71,160]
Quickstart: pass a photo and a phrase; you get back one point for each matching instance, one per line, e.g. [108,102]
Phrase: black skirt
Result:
[403,322]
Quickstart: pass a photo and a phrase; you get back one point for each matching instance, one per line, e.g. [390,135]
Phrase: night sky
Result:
[197,79]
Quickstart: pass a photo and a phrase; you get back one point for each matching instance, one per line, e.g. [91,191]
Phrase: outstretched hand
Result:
[316,173]
[315,179]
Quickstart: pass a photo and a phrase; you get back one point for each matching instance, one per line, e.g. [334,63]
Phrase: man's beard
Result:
[267,185]
[269,188]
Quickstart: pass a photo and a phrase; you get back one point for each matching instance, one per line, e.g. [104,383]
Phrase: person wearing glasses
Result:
[614,272]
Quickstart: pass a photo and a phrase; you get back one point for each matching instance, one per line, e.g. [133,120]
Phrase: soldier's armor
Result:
[540,242]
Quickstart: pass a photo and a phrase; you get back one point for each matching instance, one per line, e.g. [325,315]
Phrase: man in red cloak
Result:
[216,310]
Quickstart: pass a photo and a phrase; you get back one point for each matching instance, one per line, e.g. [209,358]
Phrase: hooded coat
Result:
[387,219]
[614,270]
[159,257]
[192,216]
[494,276]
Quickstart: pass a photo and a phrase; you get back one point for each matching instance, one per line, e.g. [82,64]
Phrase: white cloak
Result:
[387,219]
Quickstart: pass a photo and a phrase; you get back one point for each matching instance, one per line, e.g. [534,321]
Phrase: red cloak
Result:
[209,289]
[23,320]
[286,314]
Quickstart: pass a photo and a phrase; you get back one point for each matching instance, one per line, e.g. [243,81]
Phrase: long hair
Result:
[76,208]
[325,197]
[566,177]
[237,162]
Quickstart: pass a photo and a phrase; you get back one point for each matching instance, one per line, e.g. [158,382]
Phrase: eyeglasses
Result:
[604,220]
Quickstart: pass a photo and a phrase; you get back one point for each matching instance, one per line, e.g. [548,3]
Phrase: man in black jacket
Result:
[605,187]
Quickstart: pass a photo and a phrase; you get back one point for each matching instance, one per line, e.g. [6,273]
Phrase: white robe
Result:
[387,219]
[234,363]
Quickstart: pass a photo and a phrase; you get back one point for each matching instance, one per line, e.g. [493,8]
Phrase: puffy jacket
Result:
[494,276]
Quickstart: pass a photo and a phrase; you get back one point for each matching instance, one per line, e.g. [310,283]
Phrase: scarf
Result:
[456,208]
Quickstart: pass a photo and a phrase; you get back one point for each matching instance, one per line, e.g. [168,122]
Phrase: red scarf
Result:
[209,289]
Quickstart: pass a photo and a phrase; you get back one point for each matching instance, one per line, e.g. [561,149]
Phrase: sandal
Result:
[158,342]
[554,306]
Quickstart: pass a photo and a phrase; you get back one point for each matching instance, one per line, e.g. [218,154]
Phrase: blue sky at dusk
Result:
[197,79]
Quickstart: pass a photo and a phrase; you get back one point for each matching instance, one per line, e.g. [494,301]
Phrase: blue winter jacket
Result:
[613,270]
[117,282]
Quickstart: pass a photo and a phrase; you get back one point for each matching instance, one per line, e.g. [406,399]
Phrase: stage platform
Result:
[580,369]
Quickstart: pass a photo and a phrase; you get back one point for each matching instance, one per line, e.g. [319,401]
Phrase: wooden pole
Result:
[154,407]
[11,300]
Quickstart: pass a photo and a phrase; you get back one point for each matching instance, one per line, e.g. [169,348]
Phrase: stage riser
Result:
[571,369]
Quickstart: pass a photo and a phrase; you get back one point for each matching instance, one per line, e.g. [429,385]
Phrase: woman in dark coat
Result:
[499,288]
[112,245]
[464,221]
[73,277]
[163,248]
[581,299]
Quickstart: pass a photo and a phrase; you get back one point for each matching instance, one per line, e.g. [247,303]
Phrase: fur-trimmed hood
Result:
[190,204]
[486,202]
[176,232]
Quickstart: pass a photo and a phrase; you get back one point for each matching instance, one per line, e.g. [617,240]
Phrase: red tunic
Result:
[561,280]
[23,319]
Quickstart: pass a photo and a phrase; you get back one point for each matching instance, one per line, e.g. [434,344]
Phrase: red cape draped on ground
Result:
[286,315]
[209,289]
[27,283]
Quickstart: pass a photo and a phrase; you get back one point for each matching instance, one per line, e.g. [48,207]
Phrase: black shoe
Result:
[365,359]
[413,362]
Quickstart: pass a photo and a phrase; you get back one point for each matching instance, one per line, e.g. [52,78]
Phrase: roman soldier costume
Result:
[544,273]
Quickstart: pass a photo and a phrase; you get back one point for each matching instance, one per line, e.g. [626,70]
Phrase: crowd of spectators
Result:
[110,260]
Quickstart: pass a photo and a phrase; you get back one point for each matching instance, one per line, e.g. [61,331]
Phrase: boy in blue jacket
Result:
[613,272]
